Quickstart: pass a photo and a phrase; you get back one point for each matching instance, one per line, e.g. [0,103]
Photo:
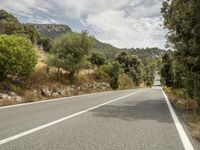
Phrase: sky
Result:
[122,23]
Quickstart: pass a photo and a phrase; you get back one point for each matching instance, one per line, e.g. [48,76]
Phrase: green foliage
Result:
[6,17]
[97,59]
[31,33]
[69,52]
[113,71]
[45,43]
[148,75]
[147,53]
[131,65]
[10,25]
[17,56]
[166,74]
[182,18]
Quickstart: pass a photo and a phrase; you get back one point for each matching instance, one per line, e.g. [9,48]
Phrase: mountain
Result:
[52,30]
[109,50]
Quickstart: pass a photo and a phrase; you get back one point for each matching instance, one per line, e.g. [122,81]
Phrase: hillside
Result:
[52,30]
[109,50]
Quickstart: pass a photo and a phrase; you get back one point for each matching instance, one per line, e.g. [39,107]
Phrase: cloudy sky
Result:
[122,23]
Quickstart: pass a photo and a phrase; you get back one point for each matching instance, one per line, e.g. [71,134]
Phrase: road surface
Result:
[137,119]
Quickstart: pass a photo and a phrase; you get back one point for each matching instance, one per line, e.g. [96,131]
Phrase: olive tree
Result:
[69,52]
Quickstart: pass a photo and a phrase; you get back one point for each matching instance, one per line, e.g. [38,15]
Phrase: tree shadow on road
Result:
[133,111]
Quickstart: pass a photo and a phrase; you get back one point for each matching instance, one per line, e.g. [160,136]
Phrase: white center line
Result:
[184,138]
[61,120]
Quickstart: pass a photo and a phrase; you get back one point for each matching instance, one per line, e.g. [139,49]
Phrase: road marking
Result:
[184,138]
[62,119]
[54,100]
[51,100]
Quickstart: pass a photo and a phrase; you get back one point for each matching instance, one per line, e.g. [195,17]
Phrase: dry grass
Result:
[5,103]
[188,109]
[126,82]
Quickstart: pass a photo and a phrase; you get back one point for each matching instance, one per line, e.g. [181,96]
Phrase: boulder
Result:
[4,96]
[18,99]
[61,92]
[46,92]
[55,94]
[11,94]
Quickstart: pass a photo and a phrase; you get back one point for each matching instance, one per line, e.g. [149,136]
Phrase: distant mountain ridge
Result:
[55,30]
[52,30]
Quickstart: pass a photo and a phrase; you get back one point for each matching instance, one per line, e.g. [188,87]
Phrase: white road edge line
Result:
[54,100]
[184,138]
[62,119]
[50,100]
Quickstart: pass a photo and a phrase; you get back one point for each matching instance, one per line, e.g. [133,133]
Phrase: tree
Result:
[182,19]
[31,33]
[131,65]
[69,52]
[45,43]
[17,56]
[97,59]
[166,74]
[10,25]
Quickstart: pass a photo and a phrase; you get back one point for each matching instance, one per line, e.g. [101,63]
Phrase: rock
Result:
[107,85]
[46,92]
[4,96]
[61,92]
[103,88]
[11,94]
[18,98]
[35,93]
[103,83]
[1,94]
[98,85]
[55,94]
[73,86]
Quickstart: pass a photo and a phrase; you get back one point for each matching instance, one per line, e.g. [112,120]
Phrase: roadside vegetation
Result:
[35,67]
[180,69]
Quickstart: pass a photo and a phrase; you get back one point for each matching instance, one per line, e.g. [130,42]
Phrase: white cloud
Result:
[114,27]
[123,23]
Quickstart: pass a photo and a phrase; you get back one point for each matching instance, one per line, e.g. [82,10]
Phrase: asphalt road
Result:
[137,119]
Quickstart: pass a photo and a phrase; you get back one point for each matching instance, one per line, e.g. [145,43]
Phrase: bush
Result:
[97,59]
[110,72]
[125,81]
[100,74]
[17,56]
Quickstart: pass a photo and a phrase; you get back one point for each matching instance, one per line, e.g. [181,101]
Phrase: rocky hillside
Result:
[52,30]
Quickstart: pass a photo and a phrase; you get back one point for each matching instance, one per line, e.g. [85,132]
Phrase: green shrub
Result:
[113,71]
[17,56]
[97,59]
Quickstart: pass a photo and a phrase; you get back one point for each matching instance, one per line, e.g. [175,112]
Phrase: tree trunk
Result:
[71,77]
